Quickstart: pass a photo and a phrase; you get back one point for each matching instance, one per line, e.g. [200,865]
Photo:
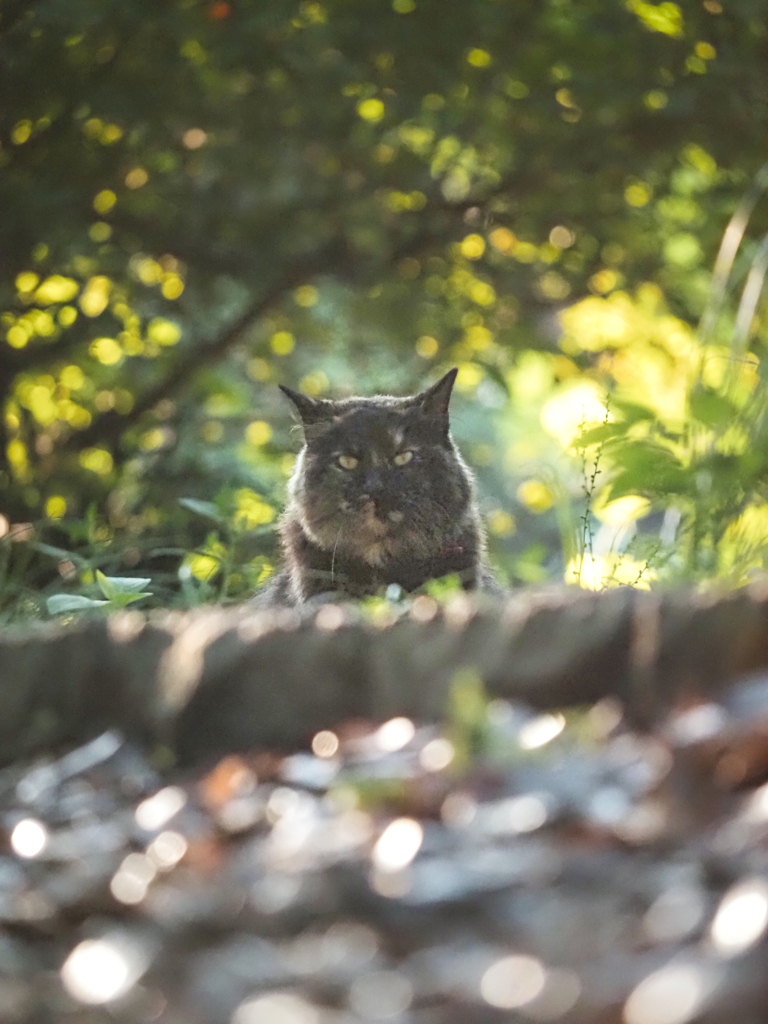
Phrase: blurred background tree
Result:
[201,199]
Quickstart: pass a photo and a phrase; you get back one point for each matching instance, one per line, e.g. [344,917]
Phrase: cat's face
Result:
[379,477]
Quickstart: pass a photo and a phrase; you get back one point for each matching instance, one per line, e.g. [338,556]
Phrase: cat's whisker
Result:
[333,556]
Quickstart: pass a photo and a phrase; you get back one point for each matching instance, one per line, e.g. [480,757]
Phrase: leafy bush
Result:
[353,198]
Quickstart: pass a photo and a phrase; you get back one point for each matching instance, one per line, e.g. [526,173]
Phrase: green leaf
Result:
[444,587]
[58,603]
[113,587]
[650,470]
[602,434]
[206,509]
[121,600]
[711,409]
[631,412]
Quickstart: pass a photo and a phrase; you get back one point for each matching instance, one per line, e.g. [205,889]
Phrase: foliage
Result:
[118,592]
[202,199]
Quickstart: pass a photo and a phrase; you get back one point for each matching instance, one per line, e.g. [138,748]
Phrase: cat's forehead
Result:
[373,427]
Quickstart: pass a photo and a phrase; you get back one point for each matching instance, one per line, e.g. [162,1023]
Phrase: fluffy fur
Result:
[379,495]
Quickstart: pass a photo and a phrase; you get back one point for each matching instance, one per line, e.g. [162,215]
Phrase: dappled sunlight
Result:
[575,408]
[623,510]
[512,982]
[397,846]
[418,213]
[340,345]
[744,546]
[741,918]
[29,838]
[672,995]
[99,971]
[651,355]
[596,572]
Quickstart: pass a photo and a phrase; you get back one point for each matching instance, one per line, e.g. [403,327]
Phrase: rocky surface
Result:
[507,865]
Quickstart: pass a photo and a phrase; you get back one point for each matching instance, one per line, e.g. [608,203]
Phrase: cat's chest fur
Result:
[311,570]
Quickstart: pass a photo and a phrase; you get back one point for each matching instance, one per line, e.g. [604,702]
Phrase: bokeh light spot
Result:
[157,810]
[535,495]
[55,506]
[472,246]
[194,138]
[97,971]
[276,1008]
[104,201]
[325,744]
[106,350]
[513,982]
[672,995]
[395,734]
[136,178]
[427,346]
[398,845]
[540,731]
[479,58]
[741,918]
[258,433]
[29,837]
[371,110]
[282,343]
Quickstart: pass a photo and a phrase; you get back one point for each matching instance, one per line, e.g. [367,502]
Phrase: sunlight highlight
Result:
[540,731]
[513,982]
[157,810]
[276,1008]
[577,406]
[29,838]
[395,734]
[325,744]
[98,971]
[437,755]
[741,918]
[133,878]
[167,850]
[672,995]
[398,845]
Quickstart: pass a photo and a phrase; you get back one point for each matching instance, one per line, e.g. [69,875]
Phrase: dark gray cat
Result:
[379,495]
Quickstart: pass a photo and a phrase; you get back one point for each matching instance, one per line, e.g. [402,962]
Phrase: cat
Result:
[379,495]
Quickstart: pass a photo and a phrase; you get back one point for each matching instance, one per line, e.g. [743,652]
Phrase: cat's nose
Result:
[372,483]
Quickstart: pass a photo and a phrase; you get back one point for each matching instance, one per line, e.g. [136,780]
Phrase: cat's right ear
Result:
[434,401]
[311,410]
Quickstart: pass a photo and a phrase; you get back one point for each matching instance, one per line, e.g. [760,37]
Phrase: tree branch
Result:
[109,426]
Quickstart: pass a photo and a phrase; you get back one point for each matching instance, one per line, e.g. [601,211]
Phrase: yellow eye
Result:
[347,461]
[403,458]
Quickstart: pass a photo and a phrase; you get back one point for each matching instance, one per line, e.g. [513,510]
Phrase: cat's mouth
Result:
[368,532]
[373,533]
[371,518]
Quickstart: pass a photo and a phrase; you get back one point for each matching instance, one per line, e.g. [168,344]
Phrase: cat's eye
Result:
[347,461]
[403,458]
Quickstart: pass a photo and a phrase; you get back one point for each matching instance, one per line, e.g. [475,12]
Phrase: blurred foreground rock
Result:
[216,680]
[386,844]
[568,869]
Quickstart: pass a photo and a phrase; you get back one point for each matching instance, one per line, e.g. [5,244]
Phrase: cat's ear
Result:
[434,401]
[311,410]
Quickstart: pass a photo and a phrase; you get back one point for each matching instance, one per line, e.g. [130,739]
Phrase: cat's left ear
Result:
[434,401]
[311,410]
